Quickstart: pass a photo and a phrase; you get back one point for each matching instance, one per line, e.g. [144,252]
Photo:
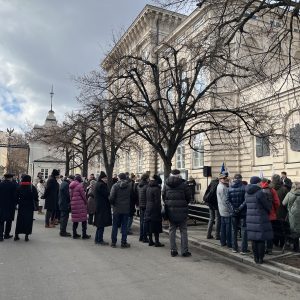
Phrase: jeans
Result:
[99,235]
[225,237]
[236,221]
[123,220]
[83,225]
[143,233]
[214,215]
[130,221]
[48,217]
[7,229]
[64,217]
[183,235]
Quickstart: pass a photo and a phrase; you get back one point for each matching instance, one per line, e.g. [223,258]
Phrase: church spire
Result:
[51,96]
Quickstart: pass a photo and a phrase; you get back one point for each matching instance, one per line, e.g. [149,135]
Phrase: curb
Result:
[272,267]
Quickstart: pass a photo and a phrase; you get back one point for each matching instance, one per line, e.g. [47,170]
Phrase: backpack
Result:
[210,195]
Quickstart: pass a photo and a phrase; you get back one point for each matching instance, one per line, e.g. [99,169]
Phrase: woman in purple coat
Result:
[78,207]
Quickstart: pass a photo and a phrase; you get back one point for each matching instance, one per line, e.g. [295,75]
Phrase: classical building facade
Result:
[253,155]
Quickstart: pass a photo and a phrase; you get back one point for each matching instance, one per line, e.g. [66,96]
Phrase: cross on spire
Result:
[51,95]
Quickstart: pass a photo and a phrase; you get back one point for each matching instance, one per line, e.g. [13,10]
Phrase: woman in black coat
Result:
[27,200]
[153,218]
[259,228]
[103,209]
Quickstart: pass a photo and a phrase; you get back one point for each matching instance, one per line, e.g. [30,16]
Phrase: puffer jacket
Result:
[176,195]
[292,200]
[120,197]
[222,196]
[142,188]
[272,195]
[259,227]
[153,207]
[78,202]
[236,197]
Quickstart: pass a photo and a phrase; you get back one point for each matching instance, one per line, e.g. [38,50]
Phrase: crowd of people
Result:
[265,212]
[92,202]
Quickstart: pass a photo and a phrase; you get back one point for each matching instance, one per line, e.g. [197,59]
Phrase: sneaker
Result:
[209,237]
[174,253]
[76,236]
[125,245]
[103,243]
[113,245]
[6,237]
[186,254]
[234,251]
[159,244]
[65,234]
[245,252]
[86,236]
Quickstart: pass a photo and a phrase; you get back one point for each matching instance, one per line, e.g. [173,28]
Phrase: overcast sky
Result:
[45,42]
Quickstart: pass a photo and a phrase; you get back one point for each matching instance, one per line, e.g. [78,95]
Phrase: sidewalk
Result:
[285,265]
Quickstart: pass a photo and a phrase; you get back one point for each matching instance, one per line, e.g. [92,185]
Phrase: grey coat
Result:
[120,197]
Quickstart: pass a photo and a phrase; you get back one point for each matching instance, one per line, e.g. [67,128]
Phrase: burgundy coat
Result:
[78,202]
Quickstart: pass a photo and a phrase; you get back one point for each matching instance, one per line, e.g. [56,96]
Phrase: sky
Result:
[45,42]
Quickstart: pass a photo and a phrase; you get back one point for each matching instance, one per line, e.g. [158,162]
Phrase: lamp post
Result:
[10,132]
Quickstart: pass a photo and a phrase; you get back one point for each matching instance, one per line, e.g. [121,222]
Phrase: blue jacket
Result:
[259,227]
[236,198]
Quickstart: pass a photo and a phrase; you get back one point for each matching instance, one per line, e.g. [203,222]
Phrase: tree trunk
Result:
[167,167]
[68,160]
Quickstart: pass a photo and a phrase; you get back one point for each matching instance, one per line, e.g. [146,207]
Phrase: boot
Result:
[254,250]
[84,235]
[26,238]
[16,238]
[151,243]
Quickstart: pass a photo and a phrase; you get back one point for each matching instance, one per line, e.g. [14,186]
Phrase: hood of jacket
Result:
[74,184]
[237,184]
[123,184]
[252,188]
[174,181]
[295,192]
[143,183]
[153,183]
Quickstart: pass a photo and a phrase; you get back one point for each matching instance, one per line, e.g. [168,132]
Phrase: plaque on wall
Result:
[295,138]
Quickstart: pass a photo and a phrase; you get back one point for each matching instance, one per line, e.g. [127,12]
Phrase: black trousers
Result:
[7,229]
[258,248]
[64,217]
[48,216]
[84,227]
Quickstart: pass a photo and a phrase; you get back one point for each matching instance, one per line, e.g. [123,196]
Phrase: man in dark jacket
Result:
[120,200]
[51,198]
[64,205]
[210,198]
[176,195]
[133,202]
[287,182]
[7,205]
[237,203]
[141,189]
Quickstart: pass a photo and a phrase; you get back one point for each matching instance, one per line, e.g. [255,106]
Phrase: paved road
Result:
[51,267]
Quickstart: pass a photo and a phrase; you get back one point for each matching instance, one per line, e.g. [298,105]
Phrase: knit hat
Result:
[175,172]
[255,180]
[26,178]
[157,179]
[55,173]
[122,176]
[102,175]
[78,178]
[72,177]
[8,175]
[237,177]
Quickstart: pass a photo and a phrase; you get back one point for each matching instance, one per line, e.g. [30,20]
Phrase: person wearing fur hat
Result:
[259,227]
[51,198]
[176,196]
[78,207]
[27,200]
[102,208]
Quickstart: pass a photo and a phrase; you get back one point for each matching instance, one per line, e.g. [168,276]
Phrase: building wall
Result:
[3,153]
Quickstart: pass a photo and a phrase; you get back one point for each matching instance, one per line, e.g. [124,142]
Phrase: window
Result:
[295,138]
[180,157]
[198,153]
[140,162]
[262,147]
[45,173]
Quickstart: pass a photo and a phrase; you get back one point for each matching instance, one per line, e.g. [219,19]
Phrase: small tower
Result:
[51,119]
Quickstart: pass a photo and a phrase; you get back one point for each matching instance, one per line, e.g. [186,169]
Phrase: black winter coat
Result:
[103,208]
[142,188]
[213,204]
[259,227]
[64,196]
[7,200]
[27,197]
[153,206]
[176,195]
[236,197]
[51,194]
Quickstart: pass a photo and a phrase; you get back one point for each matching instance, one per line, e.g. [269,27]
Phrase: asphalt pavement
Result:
[53,267]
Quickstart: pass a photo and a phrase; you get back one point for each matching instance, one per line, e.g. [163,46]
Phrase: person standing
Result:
[192,186]
[237,202]
[259,227]
[91,200]
[64,205]
[7,206]
[224,209]
[120,200]
[102,208]
[287,182]
[51,198]
[211,200]
[41,191]
[176,196]
[153,218]
[292,201]
[133,202]
[78,207]
[142,188]
[27,200]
